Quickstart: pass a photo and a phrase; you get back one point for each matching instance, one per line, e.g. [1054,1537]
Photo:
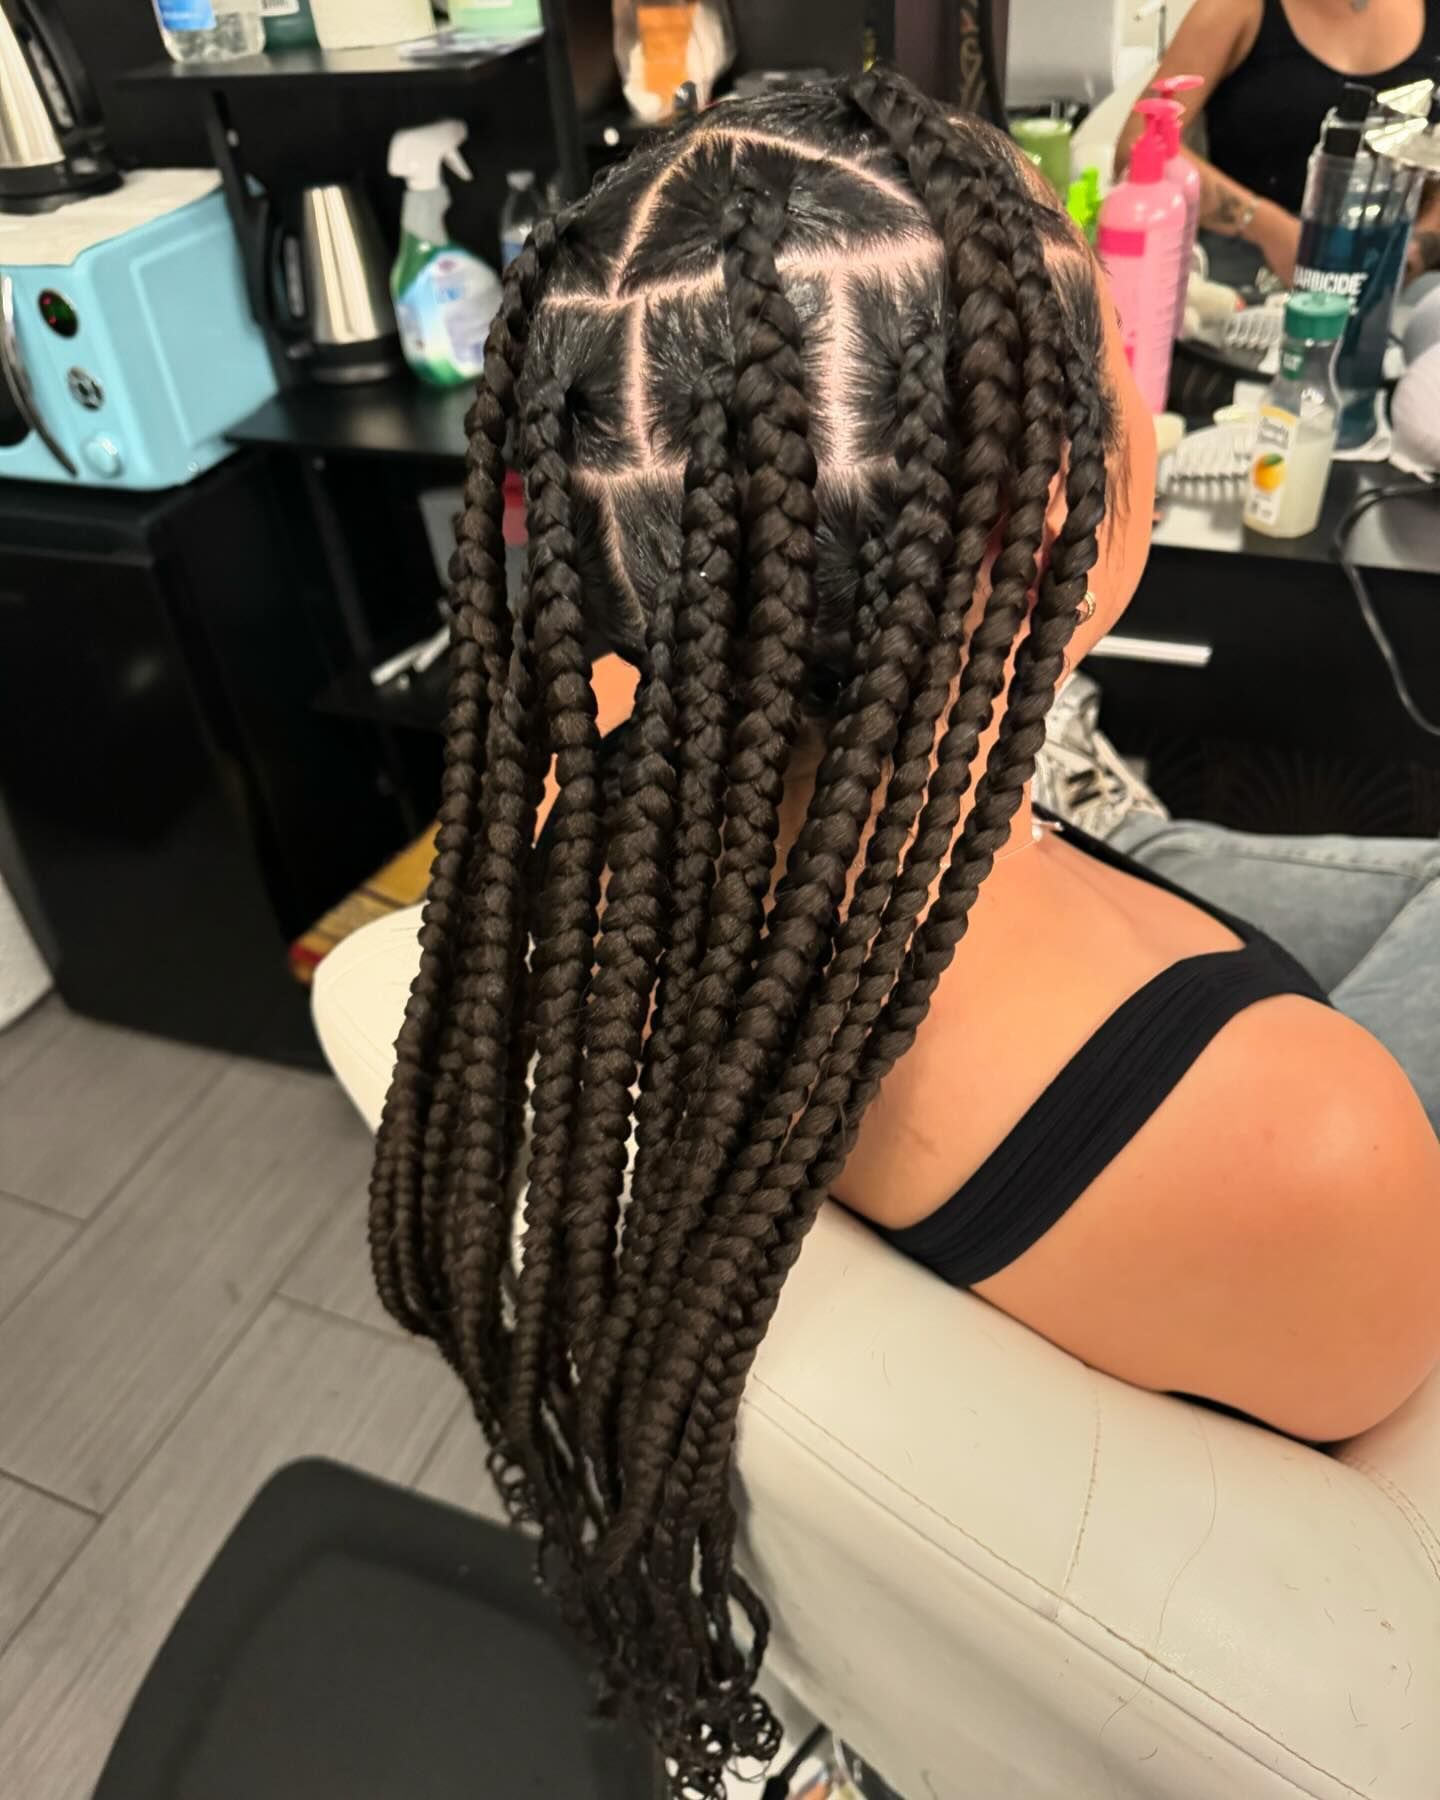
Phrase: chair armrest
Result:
[1000,1573]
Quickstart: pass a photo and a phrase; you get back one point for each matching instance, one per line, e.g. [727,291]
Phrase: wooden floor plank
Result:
[108,1346]
[78,1115]
[333,1271]
[456,1471]
[299,1384]
[30,1240]
[38,1536]
[28,1035]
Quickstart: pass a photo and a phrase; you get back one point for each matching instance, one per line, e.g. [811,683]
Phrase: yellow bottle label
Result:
[1274,444]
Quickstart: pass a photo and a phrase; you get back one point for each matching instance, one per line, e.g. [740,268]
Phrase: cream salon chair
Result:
[1002,1576]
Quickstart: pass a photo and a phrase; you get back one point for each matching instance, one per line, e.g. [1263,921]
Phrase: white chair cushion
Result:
[1001,1574]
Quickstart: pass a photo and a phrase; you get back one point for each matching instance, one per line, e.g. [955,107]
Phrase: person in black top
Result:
[830,444]
[1271,69]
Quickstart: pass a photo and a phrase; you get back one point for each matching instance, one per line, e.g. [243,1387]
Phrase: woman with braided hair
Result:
[826,443]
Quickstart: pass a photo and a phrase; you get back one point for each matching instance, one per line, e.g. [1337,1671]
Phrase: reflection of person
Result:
[828,436]
[1271,70]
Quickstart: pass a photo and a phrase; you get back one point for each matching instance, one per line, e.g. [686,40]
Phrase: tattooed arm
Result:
[1214,38]
[1233,211]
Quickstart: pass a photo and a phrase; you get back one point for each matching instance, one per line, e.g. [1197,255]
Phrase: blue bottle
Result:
[1355,227]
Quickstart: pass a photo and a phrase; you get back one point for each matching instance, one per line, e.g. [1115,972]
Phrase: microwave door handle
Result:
[17,379]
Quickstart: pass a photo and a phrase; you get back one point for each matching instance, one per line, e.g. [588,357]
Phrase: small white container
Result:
[361,24]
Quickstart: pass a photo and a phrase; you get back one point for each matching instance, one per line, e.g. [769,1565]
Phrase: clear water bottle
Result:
[211,30]
[519,215]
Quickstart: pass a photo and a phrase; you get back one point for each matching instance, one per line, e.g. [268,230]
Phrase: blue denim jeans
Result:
[1361,914]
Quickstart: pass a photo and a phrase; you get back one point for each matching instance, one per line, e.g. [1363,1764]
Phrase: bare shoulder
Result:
[1270,1237]
[1337,1116]
[1214,38]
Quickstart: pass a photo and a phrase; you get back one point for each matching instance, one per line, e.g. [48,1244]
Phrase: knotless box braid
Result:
[633,1062]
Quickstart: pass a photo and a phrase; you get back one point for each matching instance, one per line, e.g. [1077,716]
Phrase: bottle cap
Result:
[1341,139]
[1355,103]
[520,179]
[1168,116]
[1177,84]
[418,154]
[1320,317]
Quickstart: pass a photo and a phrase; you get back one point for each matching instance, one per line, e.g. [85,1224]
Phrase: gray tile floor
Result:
[185,1306]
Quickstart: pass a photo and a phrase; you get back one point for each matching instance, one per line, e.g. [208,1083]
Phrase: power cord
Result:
[1396,491]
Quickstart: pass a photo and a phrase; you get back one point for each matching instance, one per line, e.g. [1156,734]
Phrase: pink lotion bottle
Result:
[1141,239]
[1180,170]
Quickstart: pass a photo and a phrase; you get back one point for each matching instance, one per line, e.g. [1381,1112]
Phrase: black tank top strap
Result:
[1101,1098]
[1276,36]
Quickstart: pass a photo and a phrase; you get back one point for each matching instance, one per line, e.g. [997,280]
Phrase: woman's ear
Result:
[1096,620]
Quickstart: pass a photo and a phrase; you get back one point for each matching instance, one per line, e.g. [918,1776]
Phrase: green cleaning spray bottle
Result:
[445,297]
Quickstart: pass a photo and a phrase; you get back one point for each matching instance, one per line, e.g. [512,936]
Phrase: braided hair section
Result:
[421,1106]
[791,393]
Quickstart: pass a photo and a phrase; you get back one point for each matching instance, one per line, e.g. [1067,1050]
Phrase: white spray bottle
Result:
[445,297]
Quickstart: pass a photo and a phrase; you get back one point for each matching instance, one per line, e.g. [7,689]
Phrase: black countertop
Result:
[1401,535]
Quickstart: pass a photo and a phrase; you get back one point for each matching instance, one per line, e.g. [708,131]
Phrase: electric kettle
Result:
[324,285]
[52,142]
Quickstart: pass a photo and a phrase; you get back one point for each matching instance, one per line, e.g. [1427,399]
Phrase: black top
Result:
[1102,1096]
[1264,120]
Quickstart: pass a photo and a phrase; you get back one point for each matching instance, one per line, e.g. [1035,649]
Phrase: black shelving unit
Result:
[292,73]
[388,436]
[408,703]
[293,77]
[398,418]
[300,67]
[333,437]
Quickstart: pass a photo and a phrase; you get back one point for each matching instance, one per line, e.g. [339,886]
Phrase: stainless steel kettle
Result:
[328,296]
[52,141]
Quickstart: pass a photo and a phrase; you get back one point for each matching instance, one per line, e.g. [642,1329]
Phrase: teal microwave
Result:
[126,366]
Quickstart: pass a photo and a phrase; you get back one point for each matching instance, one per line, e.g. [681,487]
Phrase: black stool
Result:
[352,1641]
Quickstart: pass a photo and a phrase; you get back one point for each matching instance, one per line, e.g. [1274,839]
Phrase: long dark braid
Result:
[711,528]
[651,970]
[778,521]
[403,1224]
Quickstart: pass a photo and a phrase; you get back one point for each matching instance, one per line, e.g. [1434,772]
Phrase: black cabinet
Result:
[179,809]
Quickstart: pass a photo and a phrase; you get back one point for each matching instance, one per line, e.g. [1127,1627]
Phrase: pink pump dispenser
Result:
[1141,240]
[1180,170]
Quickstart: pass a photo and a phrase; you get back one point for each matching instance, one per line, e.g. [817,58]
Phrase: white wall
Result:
[1144,33]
